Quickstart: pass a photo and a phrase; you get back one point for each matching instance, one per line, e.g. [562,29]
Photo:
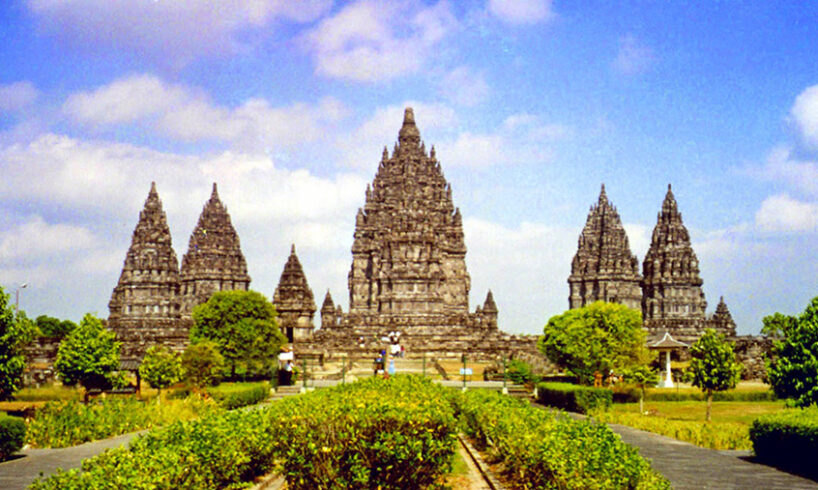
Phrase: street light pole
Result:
[17,297]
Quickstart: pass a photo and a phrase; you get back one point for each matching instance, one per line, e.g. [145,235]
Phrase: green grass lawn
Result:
[740,412]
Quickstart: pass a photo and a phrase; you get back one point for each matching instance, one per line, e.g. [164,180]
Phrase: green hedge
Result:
[237,395]
[389,434]
[12,435]
[546,449]
[574,398]
[788,440]
[719,396]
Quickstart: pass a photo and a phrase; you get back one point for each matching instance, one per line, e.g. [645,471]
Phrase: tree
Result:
[54,327]
[599,337]
[777,325]
[243,324]
[713,365]
[793,366]
[642,376]
[89,355]
[160,367]
[201,363]
[15,333]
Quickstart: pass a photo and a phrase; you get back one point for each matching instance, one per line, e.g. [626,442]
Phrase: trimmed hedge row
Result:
[544,449]
[389,434]
[240,395]
[630,394]
[12,435]
[574,398]
[788,440]
[62,424]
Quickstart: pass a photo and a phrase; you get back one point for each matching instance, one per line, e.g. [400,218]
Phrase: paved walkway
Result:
[691,467]
[19,473]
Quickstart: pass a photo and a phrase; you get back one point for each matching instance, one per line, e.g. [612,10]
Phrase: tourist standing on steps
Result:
[288,373]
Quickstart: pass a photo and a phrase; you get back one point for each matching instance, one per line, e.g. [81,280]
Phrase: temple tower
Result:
[213,261]
[408,254]
[604,269]
[672,296]
[329,318]
[144,307]
[722,320]
[294,301]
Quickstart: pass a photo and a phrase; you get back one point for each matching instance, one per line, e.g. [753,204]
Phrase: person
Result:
[402,351]
[288,373]
[391,367]
[361,343]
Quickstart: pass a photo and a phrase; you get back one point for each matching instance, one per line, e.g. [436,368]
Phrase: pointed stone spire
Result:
[671,287]
[489,304]
[329,304]
[328,312]
[604,269]
[294,301]
[408,254]
[722,320]
[214,261]
[146,294]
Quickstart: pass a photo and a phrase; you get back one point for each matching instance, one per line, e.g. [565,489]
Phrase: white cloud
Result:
[521,11]
[188,114]
[171,31]
[639,238]
[369,41]
[805,114]
[36,238]
[783,166]
[781,213]
[16,96]
[464,87]
[633,56]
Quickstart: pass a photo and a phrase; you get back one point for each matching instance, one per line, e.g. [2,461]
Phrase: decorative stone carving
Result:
[294,301]
[213,261]
[144,307]
[604,269]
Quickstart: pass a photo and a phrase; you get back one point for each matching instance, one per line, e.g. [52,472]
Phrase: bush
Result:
[12,435]
[62,424]
[230,395]
[396,433]
[574,398]
[520,372]
[544,449]
[788,440]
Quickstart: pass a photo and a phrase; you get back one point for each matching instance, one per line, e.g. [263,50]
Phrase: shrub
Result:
[62,424]
[788,440]
[546,449]
[574,398]
[12,435]
[237,395]
[520,372]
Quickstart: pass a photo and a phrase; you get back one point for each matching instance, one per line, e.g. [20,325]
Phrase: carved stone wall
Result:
[604,269]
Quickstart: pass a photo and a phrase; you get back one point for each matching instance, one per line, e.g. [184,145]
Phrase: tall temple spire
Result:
[672,287]
[409,253]
[146,295]
[604,269]
[294,300]
[214,261]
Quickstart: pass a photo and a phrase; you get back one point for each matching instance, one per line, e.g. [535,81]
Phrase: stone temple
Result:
[294,301]
[408,269]
[153,301]
[669,292]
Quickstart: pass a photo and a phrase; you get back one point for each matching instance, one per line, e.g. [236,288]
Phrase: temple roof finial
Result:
[409,134]
[214,194]
[292,249]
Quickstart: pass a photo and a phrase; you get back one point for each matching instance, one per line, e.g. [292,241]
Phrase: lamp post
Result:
[17,297]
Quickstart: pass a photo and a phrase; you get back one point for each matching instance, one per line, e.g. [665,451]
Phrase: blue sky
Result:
[531,105]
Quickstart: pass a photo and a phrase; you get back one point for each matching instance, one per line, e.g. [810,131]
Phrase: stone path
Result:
[691,467]
[18,473]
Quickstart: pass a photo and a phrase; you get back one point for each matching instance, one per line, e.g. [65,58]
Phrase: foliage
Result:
[89,355]
[574,398]
[777,325]
[15,333]
[47,393]
[546,449]
[788,439]
[520,372]
[599,337]
[793,368]
[712,435]
[396,433]
[12,435]
[160,367]
[723,396]
[54,327]
[201,363]
[713,365]
[643,377]
[235,395]
[61,424]
[244,326]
